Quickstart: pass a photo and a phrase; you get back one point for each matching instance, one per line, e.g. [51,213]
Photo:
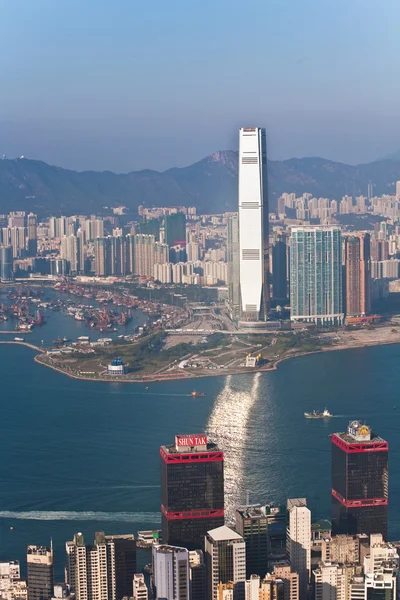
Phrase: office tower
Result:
[251,524]
[279,266]
[225,552]
[175,229]
[233,259]
[198,580]
[177,254]
[104,570]
[69,250]
[276,534]
[253,224]
[359,481]
[40,572]
[170,572]
[358,275]
[370,192]
[32,234]
[6,263]
[140,591]
[316,275]
[299,541]
[102,257]
[192,490]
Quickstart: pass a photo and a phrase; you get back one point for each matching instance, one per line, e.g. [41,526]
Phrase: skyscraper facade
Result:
[253,225]
[225,560]
[175,229]
[316,275]
[251,523]
[192,490]
[103,570]
[6,263]
[171,573]
[359,481]
[40,572]
[279,266]
[358,275]
[299,542]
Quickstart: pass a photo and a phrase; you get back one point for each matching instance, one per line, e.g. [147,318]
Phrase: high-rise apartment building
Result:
[251,524]
[233,259]
[102,257]
[140,590]
[316,275]
[192,490]
[70,251]
[40,572]
[359,481]
[253,225]
[358,275]
[171,573]
[104,570]
[290,579]
[299,542]
[225,552]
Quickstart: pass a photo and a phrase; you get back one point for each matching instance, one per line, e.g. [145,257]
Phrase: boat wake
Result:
[60,515]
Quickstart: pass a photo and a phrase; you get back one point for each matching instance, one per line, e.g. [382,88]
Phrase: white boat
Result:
[19,339]
[316,414]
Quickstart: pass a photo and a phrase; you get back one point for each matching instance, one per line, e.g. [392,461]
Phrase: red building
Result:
[359,481]
[192,490]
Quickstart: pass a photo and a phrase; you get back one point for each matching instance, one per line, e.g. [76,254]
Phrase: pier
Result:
[37,348]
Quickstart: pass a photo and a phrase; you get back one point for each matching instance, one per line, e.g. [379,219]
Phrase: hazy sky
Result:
[130,84]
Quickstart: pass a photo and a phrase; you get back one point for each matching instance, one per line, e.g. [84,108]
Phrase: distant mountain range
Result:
[210,184]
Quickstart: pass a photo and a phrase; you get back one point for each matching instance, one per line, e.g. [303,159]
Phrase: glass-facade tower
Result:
[316,275]
[359,481]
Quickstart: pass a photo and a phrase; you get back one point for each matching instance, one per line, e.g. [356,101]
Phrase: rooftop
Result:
[223,533]
[171,449]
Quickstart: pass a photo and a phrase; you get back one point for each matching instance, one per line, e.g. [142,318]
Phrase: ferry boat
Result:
[19,339]
[195,394]
[316,414]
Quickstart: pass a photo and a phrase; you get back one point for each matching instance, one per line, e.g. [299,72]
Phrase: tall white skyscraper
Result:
[253,224]
[298,541]
[225,560]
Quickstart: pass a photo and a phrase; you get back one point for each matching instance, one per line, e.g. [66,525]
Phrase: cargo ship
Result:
[316,414]
[195,394]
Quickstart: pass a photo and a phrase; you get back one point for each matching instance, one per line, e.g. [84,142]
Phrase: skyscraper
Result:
[299,542]
[358,275]
[171,576]
[316,275]
[192,490]
[251,524]
[40,572]
[279,266]
[359,481]
[233,259]
[175,229]
[32,234]
[225,560]
[253,224]
[6,263]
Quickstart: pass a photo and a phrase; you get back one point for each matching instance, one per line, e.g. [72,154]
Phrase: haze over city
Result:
[108,86]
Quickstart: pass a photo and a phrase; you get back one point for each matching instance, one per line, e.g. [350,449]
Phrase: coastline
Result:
[185,375]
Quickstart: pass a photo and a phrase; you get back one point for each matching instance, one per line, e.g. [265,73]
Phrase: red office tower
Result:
[192,490]
[359,481]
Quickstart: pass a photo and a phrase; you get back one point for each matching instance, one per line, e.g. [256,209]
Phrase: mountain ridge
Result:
[209,184]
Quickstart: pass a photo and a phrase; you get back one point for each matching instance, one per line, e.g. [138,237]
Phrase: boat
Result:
[18,339]
[195,394]
[316,414]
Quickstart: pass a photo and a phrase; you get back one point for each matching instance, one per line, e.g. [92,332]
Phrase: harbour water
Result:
[84,456]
